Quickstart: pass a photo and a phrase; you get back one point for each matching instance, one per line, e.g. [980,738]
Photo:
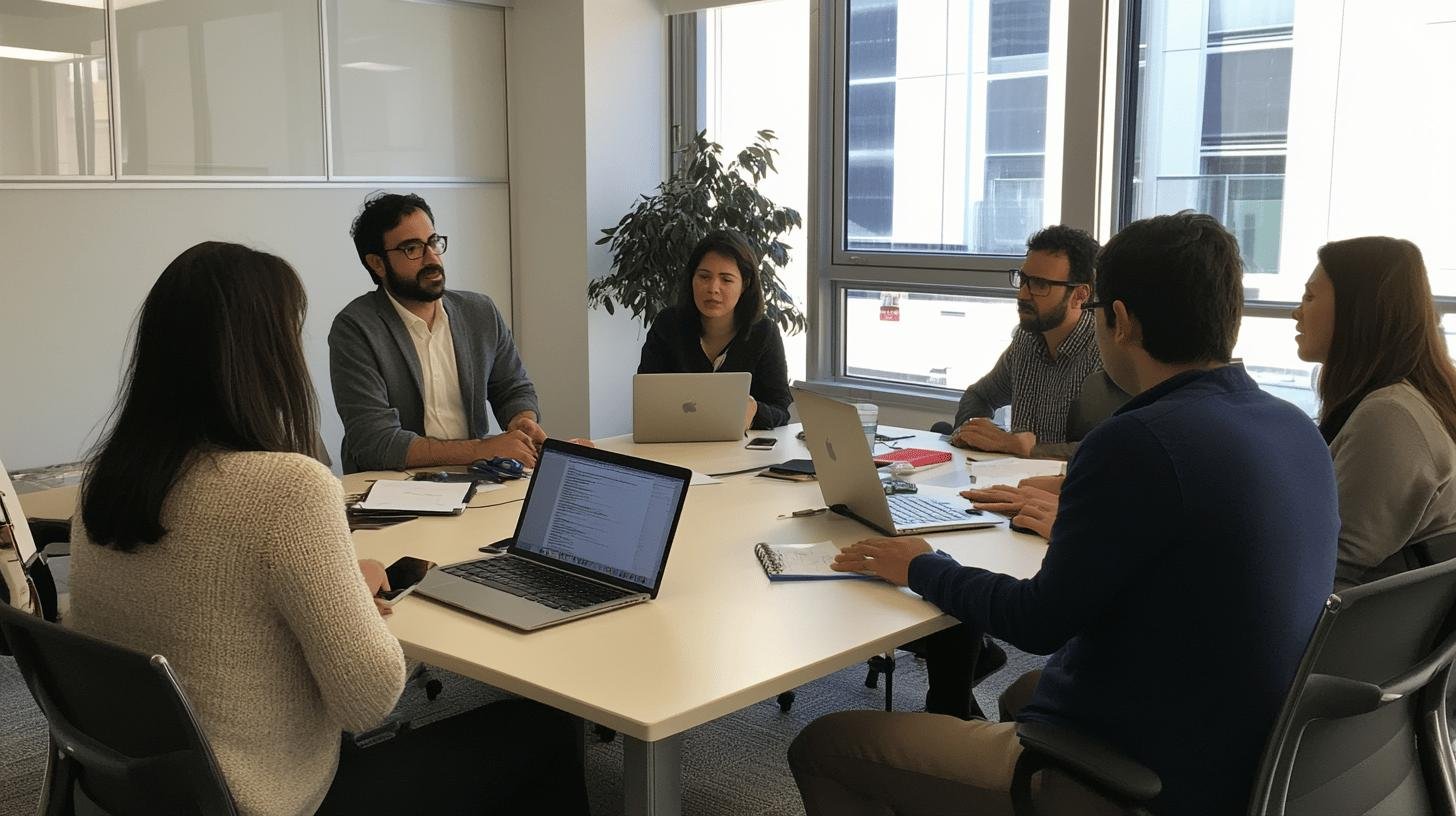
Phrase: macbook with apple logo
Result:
[707,407]
[851,484]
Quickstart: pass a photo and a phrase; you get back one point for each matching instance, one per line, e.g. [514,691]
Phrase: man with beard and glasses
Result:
[1051,374]
[416,368]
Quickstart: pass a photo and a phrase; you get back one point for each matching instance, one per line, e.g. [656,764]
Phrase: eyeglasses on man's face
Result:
[1037,285]
[414,250]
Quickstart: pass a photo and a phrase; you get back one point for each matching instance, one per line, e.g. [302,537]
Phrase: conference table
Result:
[720,636]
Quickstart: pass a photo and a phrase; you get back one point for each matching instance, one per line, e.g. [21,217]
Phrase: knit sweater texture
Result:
[255,596]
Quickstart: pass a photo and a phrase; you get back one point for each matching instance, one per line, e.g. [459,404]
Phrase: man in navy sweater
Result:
[1191,555]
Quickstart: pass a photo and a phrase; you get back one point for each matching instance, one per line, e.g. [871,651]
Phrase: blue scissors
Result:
[500,467]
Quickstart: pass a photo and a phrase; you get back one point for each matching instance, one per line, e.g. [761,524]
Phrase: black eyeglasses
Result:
[1037,285]
[414,250]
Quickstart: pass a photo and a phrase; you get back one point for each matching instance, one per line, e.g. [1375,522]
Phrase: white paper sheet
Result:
[410,496]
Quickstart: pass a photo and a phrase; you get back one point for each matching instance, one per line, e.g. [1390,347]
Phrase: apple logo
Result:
[829,446]
[690,407]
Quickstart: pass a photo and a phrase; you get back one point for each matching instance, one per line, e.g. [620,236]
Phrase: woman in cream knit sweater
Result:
[211,535]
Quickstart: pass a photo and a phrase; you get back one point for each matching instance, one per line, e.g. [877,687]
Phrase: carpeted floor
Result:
[732,766]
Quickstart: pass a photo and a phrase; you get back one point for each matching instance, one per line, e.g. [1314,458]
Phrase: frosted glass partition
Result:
[219,88]
[417,89]
[53,90]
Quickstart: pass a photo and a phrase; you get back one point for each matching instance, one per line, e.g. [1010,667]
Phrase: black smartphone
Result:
[403,575]
[761,443]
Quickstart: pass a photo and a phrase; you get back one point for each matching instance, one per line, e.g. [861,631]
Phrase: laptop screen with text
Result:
[610,518]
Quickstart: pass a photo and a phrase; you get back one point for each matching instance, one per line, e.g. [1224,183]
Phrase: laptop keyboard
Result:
[529,580]
[909,511]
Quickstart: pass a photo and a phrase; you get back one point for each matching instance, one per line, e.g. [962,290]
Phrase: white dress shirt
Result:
[439,378]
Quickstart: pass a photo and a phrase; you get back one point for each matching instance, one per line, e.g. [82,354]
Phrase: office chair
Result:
[123,738]
[1362,731]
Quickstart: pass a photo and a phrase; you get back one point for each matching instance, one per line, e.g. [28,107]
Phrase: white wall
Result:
[588,115]
[626,119]
[78,263]
[546,99]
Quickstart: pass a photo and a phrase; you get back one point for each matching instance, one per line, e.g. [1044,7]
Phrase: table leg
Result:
[652,776]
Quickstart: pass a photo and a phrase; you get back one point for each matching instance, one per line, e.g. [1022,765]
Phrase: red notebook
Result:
[917,457]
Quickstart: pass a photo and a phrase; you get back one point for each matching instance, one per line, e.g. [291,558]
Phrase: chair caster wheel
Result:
[786,701]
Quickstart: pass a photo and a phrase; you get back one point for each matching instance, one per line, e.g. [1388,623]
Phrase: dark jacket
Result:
[375,374]
[673,346]
[1192,552]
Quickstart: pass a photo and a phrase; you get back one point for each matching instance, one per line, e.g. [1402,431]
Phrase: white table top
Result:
[719,636]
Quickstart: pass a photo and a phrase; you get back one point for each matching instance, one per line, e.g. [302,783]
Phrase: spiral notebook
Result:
[800,562]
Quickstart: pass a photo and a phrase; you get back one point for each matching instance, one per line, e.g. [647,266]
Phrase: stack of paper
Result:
[424,498]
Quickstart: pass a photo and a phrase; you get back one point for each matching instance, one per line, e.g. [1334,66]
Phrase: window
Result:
[957,338]
[54,118]
[944,131]
[252,90]
[219,89]
[1309,128]
[404,106]
[945,125]
[756,76]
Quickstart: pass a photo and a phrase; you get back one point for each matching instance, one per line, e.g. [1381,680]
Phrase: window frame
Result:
[1075,75]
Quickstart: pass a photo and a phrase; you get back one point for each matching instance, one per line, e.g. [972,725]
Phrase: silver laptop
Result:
[689,407]
[851,485]
[593,535]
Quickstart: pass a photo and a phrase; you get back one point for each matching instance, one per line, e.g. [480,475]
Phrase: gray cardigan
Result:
[1394,465]
[375,374]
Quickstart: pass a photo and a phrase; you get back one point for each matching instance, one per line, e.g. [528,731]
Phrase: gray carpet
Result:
[734,765]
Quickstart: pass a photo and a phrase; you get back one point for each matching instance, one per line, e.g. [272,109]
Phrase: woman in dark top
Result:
[718,325]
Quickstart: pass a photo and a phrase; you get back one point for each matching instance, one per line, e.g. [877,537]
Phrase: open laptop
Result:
[593,535]
[851,484]
[689,407]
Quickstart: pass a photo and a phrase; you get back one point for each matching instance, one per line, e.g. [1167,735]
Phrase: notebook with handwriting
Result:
[800,562]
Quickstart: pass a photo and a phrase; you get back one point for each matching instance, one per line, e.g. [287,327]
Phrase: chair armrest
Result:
[51,531]
[1090,760]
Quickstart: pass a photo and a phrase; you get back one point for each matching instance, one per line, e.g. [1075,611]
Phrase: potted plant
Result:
[653,240]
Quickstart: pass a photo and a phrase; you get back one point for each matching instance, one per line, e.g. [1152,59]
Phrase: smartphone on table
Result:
[761,443]
[403,575]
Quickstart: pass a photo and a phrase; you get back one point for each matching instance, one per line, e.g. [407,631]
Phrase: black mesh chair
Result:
[123,737]
[1363,729]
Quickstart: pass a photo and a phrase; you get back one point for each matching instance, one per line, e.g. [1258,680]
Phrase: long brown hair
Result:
[217,363]
[1385,331]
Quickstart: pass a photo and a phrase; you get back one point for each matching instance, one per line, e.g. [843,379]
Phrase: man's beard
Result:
[411,288]
[1039,323]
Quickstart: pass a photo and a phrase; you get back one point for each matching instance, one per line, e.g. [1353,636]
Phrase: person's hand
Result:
[752,412]
[997,499]
[512,445]
[1051,484]
[586,443]
[983,434]
[525,422]
[1006,499]
[1037,515]
[885,558]
[376,579]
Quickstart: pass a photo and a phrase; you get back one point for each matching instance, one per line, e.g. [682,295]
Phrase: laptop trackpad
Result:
[487,601]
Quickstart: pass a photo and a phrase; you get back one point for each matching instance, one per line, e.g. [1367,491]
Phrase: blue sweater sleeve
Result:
[1117,509]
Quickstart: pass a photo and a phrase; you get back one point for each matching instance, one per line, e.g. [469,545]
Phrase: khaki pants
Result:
[873,763]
